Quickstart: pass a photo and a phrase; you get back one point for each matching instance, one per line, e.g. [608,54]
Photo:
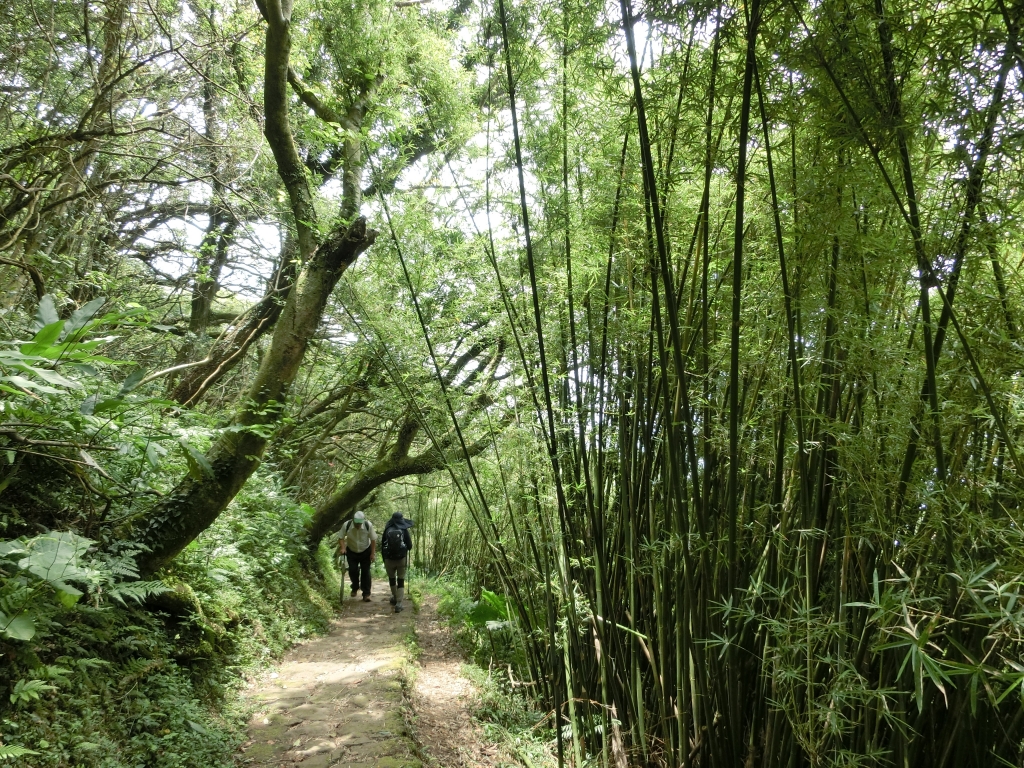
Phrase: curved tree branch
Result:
[368,479]
[33,273]
[277,127]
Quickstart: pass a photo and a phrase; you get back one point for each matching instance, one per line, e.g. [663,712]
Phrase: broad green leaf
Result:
[43,339]
[46,313]
[8,548]
[52,377]
[153,454]
[21,381]
[88,406]
[82,315]
[54,557]
[482,613]
[13,391]
[67,595]
[85,368]
[94,406]
[16,358]
[110,404]
[88,459]
[78,351]
[21,627]
[132,381]
[198,465]
[497,602]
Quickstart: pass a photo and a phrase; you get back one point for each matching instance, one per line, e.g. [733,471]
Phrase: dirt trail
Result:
[354,698]
[442,701]
[338,699]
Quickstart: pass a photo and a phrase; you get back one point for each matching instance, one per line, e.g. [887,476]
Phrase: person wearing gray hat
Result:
[395,546]
[357,542]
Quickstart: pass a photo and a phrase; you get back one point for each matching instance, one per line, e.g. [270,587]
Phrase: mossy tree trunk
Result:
[198,500]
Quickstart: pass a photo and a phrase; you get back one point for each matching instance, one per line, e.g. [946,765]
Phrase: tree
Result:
[735,427]
[469,378]
[375,90]
[197,501]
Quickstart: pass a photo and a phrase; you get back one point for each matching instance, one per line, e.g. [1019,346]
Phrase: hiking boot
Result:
[398,609]
[354,592]
[366,598]
[392,601]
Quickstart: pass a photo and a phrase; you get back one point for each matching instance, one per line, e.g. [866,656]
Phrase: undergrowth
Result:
[508,714]
[148,682]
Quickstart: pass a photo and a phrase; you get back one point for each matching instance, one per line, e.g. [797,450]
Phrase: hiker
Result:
[357,541]
[395,546]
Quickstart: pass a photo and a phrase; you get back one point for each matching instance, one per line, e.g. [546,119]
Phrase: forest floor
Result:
[380,690]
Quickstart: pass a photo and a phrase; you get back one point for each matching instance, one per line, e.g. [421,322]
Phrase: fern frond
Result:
[136,590]
[11,750]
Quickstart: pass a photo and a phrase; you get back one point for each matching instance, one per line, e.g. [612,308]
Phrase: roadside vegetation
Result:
[135,673]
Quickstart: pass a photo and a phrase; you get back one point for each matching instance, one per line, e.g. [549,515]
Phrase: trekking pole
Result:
[343,566]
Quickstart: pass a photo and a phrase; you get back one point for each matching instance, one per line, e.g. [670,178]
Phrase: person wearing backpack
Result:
[357,541]
[395,546]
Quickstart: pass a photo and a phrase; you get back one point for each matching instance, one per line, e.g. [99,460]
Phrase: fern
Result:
[30,690]
[122,565]
[52,672]
[11,750]
[135,590]
[124,568]
[13,596]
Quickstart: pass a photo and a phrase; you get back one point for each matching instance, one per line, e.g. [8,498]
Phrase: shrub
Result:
[103,681]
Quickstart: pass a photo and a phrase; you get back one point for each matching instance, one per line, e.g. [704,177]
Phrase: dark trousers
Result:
[359,570]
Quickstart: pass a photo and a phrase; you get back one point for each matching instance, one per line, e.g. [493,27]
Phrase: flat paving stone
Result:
[337,700]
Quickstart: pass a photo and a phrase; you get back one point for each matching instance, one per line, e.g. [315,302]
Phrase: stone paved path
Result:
[338,700]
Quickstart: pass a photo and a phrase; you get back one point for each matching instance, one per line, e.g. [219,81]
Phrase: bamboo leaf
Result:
[43,339]
[52,377]
[21,381]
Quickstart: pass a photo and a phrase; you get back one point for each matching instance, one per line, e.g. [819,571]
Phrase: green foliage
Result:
[396,65]
[510,718]
[490,611]
[106,683]
[11,752]
[96,682]
[40,569]
[248,569]
[778,526]
[29,690]
[72,411]
[506,708]
[483,626]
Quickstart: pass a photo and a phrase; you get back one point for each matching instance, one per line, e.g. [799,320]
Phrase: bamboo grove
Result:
[698,324]
[764,288]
